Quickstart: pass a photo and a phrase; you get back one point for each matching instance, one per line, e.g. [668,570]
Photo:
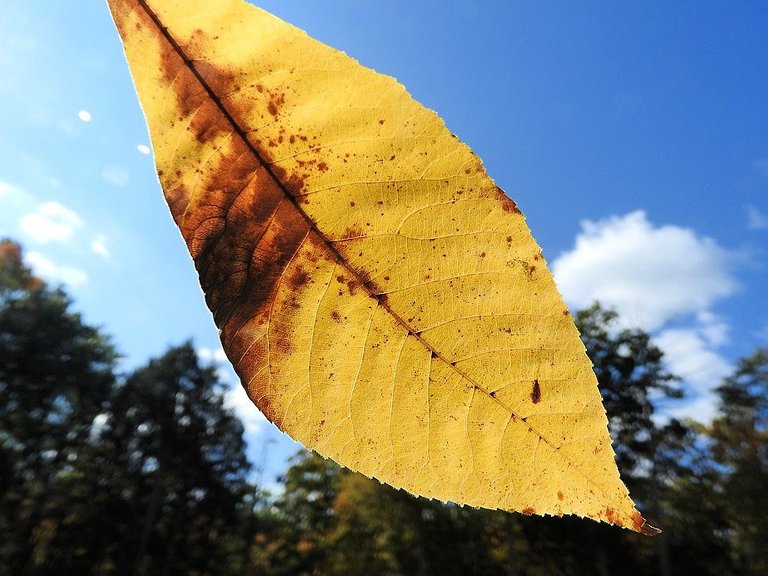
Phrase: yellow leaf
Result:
[382,301]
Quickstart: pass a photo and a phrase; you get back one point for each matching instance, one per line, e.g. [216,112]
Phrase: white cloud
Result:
[85,116]
[51,222]
[143,148]
[653,275]
[712,327]
[236,397]
[53,272]
[756,219]
[689,355]
[99,246]
[252,418]
[649,274]
[212,355]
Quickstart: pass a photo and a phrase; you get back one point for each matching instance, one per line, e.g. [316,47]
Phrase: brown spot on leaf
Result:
[336,316]
[529,511]
[299,278]
[351,232]
[381,121]
[276,101]
[610,515]
[536,392]
[322,166]
[560,495]
[507,204]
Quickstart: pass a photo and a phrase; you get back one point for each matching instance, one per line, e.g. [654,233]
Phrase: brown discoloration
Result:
[529,511]
[292,182]
[283,345]
[336,316]
[507,204]
[536,392]
[640,525]
[352,286]
[298,278]
[351,232]
[560,496]
[638,522]
[610,515]
[276,102]
[322,166]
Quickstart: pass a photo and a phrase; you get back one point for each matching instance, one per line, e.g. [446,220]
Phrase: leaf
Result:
[382,301]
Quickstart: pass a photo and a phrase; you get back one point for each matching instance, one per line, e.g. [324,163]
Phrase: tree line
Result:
[139,473]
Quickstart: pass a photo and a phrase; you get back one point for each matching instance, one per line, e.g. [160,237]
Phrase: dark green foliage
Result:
[56,375]
[104,475]
[740,445]
[145,473]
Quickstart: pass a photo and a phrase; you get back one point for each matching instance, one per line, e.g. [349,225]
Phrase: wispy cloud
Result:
[54,272]
[85,116]
[115,175]
[50,222]
[11,194]
[143,148]
[654,275]
[99,246]
[756,220]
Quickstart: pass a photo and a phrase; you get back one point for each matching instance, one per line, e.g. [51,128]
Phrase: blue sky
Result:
[634,135]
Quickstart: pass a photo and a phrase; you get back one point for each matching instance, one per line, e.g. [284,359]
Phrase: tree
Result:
[105,475]
[56,373]
[180,458]
[740,446]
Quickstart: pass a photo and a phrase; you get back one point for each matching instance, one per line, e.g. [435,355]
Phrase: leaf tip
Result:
[642,527]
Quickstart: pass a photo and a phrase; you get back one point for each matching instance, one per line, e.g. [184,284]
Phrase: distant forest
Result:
[145,473]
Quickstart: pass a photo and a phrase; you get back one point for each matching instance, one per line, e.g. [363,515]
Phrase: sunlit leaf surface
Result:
[382,301]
